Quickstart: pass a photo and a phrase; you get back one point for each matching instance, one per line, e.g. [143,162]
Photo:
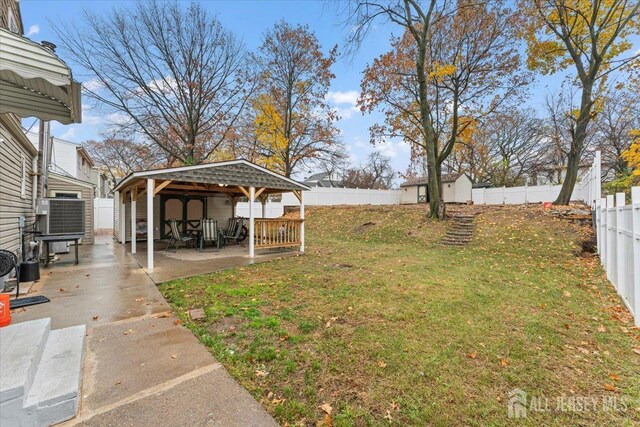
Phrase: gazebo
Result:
[190,193]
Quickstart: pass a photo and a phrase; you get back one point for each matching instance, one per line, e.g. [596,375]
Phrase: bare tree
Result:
[122,156]
[376,173]
[174,72]
[619,115]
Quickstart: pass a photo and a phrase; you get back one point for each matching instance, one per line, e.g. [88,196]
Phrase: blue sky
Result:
[249,20]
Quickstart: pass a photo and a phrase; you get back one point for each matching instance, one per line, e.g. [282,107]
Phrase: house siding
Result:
[13,204]
[57,184]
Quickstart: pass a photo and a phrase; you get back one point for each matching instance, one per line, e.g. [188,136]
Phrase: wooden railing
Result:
[277,232]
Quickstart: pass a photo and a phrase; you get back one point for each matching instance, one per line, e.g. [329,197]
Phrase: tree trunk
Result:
[433,189]
[577,145]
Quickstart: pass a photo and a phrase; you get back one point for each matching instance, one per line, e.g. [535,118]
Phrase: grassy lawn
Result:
[381,325]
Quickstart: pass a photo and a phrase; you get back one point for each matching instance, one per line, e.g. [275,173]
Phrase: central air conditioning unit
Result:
[60,217]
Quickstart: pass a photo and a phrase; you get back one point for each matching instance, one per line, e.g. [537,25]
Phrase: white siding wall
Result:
[13,202]
[408,195]
[463,189]
[219,208]
[64,157]
[449,192]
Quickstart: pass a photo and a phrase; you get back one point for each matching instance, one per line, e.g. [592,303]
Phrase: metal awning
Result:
[227,175]
[34,82]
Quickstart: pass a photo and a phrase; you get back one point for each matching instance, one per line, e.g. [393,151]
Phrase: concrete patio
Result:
[141,367]
[187,262]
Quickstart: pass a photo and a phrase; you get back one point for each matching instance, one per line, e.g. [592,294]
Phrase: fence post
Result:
[610,238]
[620,267]
[597,224]
[603,232]
[635,233]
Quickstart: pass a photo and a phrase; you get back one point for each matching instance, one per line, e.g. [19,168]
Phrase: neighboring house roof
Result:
[83,152]
[71,180]
[322,179]
[423,180]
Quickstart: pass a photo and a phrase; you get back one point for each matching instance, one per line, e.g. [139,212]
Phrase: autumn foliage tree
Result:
[293,125]
[589,36]
[455,63]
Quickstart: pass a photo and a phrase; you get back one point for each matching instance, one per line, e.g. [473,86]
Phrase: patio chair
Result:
[234,232]
[177,237]
[209,232]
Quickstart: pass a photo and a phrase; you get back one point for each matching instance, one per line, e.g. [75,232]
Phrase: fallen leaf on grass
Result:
[260,373]
[601,328]
[636,350]
[382,364]
[326,408]
[472,355]
[609,387]
[176,322]
[504,362]
[566,293]
[614,377]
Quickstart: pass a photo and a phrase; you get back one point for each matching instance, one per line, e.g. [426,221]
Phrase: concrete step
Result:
[40,373]
[21,347]
[55,393]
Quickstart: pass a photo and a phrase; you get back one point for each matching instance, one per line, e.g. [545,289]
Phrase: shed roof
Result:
[423,180]
[225,174]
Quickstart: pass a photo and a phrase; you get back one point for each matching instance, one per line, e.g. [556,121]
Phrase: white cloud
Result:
[344,102]
[34,29]
[339,97]
[92,85]
[391,148]
[69,134]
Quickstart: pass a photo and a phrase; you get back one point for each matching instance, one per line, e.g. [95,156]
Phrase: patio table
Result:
[66,238]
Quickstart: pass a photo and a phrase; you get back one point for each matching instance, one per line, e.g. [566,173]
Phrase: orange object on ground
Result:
[5,314]
[547,205]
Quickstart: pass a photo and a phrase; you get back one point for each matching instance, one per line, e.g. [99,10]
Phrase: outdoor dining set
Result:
[207,232]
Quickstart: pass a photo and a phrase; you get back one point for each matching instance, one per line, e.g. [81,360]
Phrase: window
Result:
[23,186]
[12,23]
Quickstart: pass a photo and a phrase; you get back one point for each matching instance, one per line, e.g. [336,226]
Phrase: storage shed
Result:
[456,188]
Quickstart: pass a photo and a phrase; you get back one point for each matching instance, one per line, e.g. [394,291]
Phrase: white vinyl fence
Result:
[319,196]
[618,234]
[102,216]
[519,195]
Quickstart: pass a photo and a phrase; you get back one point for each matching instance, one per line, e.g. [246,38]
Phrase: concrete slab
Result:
[214,399]
[187,262]
[59,371]
[21,347]
[107,286]
[131,356]
[140,366]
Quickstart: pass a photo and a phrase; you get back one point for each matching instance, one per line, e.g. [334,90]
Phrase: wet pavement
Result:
[141,368]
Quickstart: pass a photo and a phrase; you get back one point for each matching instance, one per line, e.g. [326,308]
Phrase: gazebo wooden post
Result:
[134,198]
[302,223]
[252,243]
[123,216]
[151,183]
